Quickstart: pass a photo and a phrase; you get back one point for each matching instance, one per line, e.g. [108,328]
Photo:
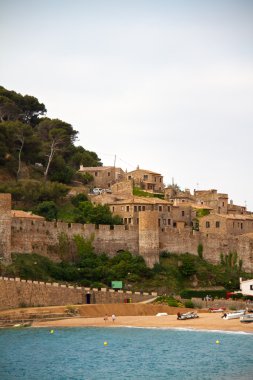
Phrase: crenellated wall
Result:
[43,237]
[25,235]
[15,292]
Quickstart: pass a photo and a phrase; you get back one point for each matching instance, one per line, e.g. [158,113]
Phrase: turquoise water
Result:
[131,353]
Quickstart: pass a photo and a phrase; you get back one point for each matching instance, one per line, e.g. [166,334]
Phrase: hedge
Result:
[188,294]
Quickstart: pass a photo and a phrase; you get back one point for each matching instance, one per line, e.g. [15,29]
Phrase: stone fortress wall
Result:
[22,235]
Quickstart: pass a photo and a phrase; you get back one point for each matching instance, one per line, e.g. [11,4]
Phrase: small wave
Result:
[189,329]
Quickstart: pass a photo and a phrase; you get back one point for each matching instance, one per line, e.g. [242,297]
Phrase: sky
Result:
[166,85]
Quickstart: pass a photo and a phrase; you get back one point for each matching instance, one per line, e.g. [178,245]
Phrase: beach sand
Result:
[206,321]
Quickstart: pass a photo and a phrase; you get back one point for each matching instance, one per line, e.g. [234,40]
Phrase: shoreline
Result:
[205,322]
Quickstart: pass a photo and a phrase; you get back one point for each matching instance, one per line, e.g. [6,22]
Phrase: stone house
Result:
[130,208]
[236,209]
[146,180]
[103,176]
[25,215]
[211,198]
[177,197]
[226,224]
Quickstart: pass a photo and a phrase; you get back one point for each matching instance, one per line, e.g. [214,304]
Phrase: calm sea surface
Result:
[131,353]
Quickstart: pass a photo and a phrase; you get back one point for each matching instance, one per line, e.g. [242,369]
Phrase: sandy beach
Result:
[206,321]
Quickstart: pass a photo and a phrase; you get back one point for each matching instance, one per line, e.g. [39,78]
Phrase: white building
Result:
[246,287]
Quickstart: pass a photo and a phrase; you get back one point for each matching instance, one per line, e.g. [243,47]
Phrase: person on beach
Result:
[106,318]
[113,318]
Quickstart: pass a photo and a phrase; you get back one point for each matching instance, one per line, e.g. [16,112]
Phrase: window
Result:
[241,226]
[129,177]
[108,174]
[143,208]
[251,287]
[160,179]
[217,224]
[127,208]
[160,208]
[145,177]
[169,221]
[96,174]
[129,220]
[182,213]
[139,208]
[168,208]
[135,208]
[125,220]
[223,204]
[207,224]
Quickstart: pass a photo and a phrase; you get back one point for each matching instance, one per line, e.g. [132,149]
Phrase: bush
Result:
[189,304]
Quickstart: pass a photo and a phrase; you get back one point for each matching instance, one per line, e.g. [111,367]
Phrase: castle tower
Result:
[5,228]
[149,237]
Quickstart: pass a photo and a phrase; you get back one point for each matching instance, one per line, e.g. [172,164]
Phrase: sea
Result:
[93,353]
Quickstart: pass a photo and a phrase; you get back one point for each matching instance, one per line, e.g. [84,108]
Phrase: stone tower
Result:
[5,228]
[149,237]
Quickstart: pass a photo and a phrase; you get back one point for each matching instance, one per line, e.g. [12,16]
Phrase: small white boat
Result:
[189,315]
[234,314]
[246,318]
[161,314]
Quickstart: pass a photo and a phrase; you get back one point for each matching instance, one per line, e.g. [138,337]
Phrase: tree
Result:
[14,106]
[80,156]
[25,141]
[57,136]
[8,109]
[48,209]
[95,214]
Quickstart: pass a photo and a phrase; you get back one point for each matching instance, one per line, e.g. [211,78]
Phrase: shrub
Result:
[189,304]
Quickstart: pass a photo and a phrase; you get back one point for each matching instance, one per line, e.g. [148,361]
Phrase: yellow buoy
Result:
[105,343]
[51,331]
[217,342]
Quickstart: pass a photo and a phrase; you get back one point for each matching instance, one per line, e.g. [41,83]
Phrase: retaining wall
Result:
[15,292]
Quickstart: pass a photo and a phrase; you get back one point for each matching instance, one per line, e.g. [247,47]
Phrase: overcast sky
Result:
[166,85]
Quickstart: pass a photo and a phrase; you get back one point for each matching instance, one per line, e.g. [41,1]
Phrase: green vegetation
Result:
[202,212]
[141,193]
[175,274]
[87,212]
[169,300]
[41,146]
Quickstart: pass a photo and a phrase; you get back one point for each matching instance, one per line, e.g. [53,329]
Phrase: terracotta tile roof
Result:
[193,205]
[144,171]
[231,216]
[24,214]
[97,168]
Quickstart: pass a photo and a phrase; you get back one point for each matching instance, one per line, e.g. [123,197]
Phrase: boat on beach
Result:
[246,318]
[216,309]
[189,315]
[234,314]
